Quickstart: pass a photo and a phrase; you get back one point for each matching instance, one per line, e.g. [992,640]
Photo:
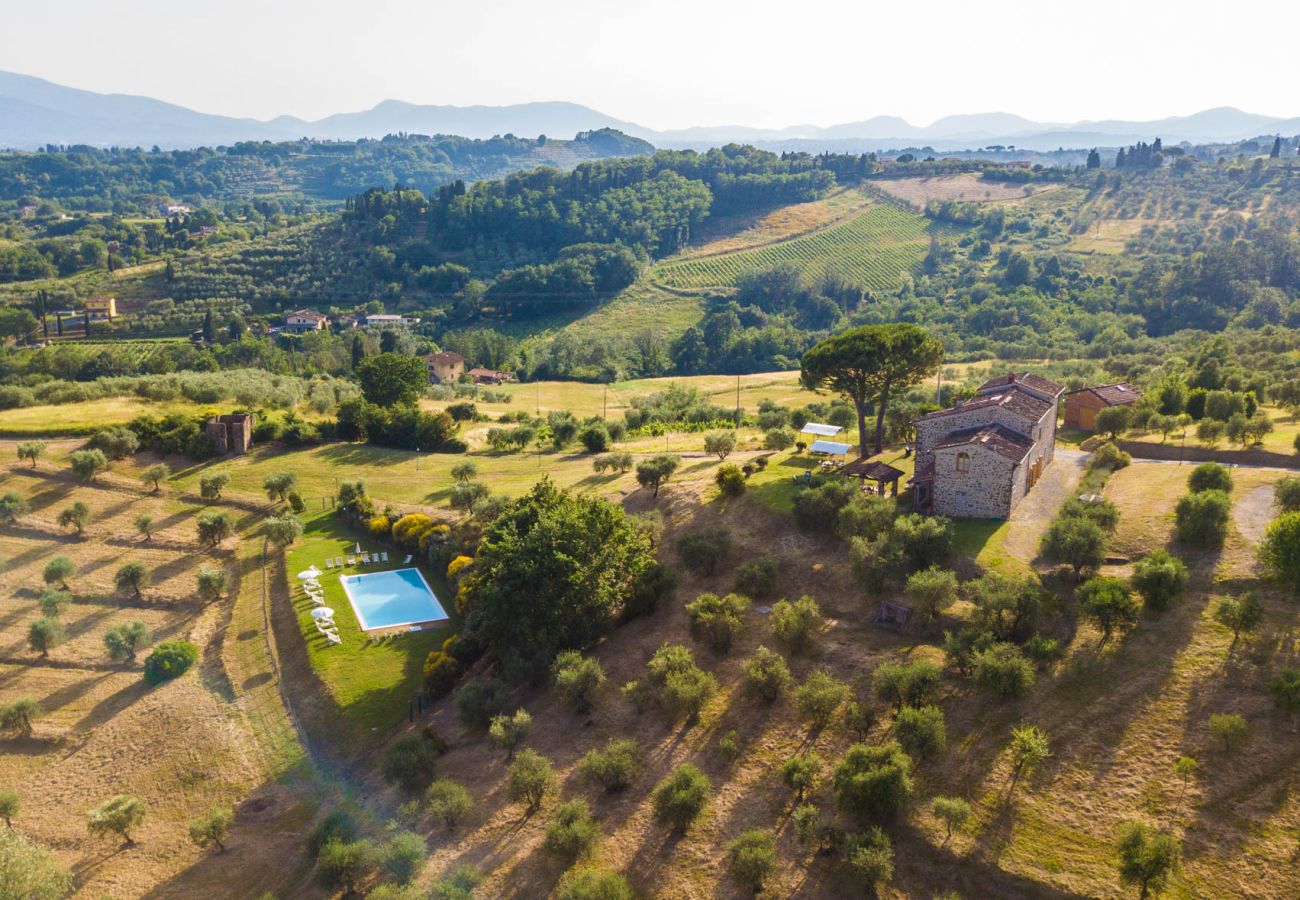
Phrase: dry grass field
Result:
[967,186]
[732,233]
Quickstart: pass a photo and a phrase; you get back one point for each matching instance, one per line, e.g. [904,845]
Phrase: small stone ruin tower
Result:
[231,433]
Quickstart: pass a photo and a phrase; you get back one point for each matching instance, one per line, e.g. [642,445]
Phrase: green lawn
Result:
[369,679]
[74,419]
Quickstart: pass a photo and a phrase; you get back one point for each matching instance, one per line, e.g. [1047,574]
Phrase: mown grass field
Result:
[876,247]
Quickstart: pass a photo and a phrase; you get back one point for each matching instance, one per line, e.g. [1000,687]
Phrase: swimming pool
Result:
[399,598]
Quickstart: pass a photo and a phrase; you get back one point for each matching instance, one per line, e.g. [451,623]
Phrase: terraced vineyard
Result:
[877,247]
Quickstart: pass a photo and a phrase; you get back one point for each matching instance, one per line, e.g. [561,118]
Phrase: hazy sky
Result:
[673,63]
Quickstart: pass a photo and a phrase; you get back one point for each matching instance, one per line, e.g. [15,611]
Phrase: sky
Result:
[674,63]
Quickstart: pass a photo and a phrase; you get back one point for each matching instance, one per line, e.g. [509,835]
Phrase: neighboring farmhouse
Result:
[101,307]
[305,320]
[978,458]
[445,367]
[490,376]
[1082,406]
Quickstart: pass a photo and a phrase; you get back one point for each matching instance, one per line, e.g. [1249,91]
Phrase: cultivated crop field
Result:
[877,248]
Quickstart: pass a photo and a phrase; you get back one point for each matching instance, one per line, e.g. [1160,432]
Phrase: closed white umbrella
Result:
[322,612]
[358,550]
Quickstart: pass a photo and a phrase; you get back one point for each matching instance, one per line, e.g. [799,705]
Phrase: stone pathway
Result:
[1252,511]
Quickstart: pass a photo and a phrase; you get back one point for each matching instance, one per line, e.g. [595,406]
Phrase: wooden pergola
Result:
[875,470]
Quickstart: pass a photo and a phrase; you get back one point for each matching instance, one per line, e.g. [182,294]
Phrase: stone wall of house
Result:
[989,488]
[932,431]
[231,433]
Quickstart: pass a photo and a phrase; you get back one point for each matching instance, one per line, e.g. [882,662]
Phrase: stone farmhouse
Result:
[445,366]
[980,457]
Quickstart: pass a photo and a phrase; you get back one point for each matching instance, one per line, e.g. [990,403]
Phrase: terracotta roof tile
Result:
[1002,441]
[1021,402]
[1036,382]
[1117,394]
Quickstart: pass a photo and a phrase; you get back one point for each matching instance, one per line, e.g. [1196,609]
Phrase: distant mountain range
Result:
[35,112]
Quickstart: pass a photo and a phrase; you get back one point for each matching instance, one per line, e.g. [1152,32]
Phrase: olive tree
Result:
[1146,857]
[577,678]
[1280,550]
[124,641]
[952,811]
[1160,578]
[31,450]
[86,464]
[652,473]
[132,577]
[213,827]
[530,777]
[449,802]
[155,475]
[118,815]
[680,798]
[873,782]
[1107,602]
[76,516]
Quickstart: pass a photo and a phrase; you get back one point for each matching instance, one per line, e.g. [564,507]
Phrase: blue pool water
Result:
[391,599]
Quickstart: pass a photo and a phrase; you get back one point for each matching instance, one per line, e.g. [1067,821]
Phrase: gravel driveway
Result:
[1034,513]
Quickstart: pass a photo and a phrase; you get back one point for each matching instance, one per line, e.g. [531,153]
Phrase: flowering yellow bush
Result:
[408,530]
[378,526]
[458,566]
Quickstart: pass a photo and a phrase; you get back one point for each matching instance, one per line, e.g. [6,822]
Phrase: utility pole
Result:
[604,405]
[737,425]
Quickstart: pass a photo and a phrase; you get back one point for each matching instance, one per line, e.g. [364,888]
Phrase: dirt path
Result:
[1030,519]
[1252,512]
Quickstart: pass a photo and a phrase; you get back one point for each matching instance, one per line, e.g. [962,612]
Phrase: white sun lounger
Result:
[407,561]
[385,555]
[365,558]
[352,560]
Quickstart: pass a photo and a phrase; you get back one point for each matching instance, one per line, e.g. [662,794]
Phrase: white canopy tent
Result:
[829,448]
[821,430]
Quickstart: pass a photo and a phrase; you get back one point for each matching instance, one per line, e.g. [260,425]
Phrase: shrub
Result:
[1043,650]
[18,716]
[592,883]
[1146,857]
[52,603]
[477,702]
[920,730]
[12,505]
[866,517]
[720,444]
[408,762]
[595,438]
[212,827]
[1077,542]
[403,855]
[717,621]
[214,527]
[508,732]
[778,439]
[1210,476]
[1280,550]
[796,624]
[1229,728]
[1107,603]
[819,697]
[577,678]
[1286,493]
[345,865]
[1108,456]
[906,684]
[873,782]
[619,461]
[132,577]
[1201,519]
[806,819]
[76,516]
[30,871]
[931,591]
[1285,688]
[1160,578]
[952,811]
[818,508]
[86,464]
[144,526]
[730,481]
[680,798]
[118,815]
[338,827]
[114,443]
[58,570]
[801,774]
[464,494]
[1239,615]
[654,472]
[729,746]
[458,884]
[614,766]
[1004,670]
[44,634]
[1028,747]
[751,858]
[449,802]
[1101,512]
[572,832]
[531,775]
[169,660]
[766,674]
[441,670]
[871,856]
[702,550]
[211,486]
[757,578]
[124,641]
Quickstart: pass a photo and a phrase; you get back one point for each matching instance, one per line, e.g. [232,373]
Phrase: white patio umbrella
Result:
[322,612]
[312,572]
